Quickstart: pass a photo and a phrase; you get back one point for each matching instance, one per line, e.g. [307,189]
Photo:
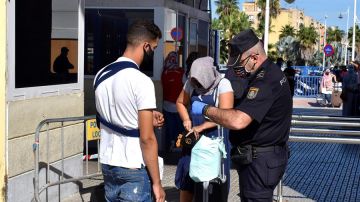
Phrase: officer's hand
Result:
[159,193]
[197,107]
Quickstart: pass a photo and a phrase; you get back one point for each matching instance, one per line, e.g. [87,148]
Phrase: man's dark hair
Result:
[143,30]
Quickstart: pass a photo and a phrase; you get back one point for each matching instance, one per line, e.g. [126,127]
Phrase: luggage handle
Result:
[222,176]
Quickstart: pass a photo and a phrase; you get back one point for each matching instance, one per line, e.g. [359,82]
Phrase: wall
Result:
[24,113]
[2,99]
[23,118]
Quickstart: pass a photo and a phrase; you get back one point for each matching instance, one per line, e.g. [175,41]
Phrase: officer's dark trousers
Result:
[258,180]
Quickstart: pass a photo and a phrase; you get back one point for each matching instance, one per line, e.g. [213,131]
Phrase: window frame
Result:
[41,91]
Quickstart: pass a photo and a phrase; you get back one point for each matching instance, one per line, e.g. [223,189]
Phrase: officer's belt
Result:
[267,149]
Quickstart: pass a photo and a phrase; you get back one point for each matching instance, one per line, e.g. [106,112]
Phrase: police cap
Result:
[241,43]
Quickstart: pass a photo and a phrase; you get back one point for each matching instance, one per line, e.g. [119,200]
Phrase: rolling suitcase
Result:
[215,190]
[335,96]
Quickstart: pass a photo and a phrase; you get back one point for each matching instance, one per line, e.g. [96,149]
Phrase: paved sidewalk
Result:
[316,171]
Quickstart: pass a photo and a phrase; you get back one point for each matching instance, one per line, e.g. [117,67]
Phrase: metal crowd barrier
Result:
[36,150]
[307,86]
[351,137]
[337,126]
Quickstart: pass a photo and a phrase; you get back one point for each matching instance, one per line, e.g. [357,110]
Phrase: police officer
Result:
[260,121]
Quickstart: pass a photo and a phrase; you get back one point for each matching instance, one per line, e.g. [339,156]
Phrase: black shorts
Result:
[258,180]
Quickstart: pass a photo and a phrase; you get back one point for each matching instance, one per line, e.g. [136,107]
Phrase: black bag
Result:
[186,142]
[241,155]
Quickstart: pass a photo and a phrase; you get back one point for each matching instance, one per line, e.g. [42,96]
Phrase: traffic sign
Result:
[177,33]
[328,50]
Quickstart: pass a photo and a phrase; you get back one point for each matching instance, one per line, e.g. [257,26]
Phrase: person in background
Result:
[290,75]
[205,84]
[62,64]
[279,62]
[351,90]
[327,85]
[171,80]
[125,102]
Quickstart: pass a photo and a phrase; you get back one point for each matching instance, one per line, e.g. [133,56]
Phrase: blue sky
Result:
[319,8]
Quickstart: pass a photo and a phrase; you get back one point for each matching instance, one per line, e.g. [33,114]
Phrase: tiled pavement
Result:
[316,171]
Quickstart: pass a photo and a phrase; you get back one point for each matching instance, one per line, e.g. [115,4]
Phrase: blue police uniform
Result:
[268,101]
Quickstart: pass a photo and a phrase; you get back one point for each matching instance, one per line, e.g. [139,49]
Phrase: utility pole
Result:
[353,36]
[267,22]
[324,44]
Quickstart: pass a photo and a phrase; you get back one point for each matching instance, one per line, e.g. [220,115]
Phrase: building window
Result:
[193,36]
[46,36]
[105,36]
[203,38]
[175,35]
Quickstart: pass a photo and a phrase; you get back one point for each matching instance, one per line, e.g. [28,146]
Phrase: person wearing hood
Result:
[204,84]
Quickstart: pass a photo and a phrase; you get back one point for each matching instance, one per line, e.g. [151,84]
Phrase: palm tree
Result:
[307,37]
[289,49]
[230,25]
[334,34]
[287,30]
[226,7]
[274,12]
[357,38]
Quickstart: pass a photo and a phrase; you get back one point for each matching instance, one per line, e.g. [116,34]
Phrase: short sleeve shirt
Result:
[268,101]
[118,100]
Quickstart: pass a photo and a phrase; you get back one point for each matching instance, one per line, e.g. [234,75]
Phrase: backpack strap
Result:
[111,70]
[123,131]
[106,73]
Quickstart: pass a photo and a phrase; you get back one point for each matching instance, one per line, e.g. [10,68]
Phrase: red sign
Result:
[177,33]
[329,50]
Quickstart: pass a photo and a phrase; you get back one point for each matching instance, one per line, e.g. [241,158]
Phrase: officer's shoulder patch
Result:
[252,93]
[260,75]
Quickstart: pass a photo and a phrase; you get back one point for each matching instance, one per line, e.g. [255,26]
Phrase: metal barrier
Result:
[307,86]
[36,150]
[298,120]
[321,121]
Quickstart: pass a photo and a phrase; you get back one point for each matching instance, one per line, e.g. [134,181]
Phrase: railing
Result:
[337,126]
[36,150]
[345,126]
[307,86]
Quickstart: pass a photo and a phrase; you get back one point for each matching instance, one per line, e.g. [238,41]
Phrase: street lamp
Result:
[353,39]
[267,21]
[347,34]
[324,43]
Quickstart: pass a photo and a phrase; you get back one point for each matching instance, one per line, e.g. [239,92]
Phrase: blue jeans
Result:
[123,184]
